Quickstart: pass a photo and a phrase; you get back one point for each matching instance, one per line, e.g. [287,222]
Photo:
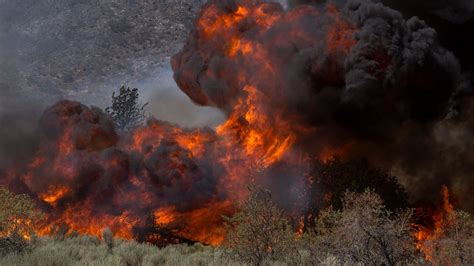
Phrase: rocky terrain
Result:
[83,49]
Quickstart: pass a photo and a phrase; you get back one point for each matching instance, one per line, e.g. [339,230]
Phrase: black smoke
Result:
[398,97]
[453,21]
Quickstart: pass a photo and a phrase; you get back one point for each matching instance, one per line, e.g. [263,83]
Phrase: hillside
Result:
[75,49]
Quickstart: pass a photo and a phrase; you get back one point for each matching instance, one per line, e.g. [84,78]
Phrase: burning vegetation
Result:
[300,87]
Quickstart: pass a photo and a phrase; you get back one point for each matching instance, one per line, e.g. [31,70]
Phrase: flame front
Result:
[160,176]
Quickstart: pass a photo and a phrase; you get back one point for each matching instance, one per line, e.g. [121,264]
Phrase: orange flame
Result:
[264,138]
[425,235]
[165,216]
[54,194]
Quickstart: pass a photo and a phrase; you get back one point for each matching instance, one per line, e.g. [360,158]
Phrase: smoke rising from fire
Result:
[297,85]
[361,79]
[82,169]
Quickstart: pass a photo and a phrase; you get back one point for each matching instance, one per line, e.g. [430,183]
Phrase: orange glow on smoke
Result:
[211,22]
[329,153]
[339,37]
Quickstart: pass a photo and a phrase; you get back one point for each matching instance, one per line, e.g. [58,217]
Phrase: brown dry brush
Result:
[364,231]
[260,231]
[453,244]
[17,213]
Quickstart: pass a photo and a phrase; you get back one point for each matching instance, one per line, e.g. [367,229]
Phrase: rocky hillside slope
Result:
[80,48]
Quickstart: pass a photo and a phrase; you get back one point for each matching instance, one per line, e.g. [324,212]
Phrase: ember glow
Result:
[296,85]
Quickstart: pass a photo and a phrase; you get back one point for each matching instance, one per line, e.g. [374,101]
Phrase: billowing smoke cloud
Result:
[453,21]
[456,11]
[47,57]
[353,79]
[81,168]
[18,140]
[364,80]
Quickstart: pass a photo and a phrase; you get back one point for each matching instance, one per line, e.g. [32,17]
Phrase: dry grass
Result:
[87,250]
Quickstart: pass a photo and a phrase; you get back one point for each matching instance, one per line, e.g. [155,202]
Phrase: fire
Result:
[160,176]
[300,228]
[199,219]
[18,225]
[261,136]
[165,216]
[202,217]
[212,22]
[237,46]
[72,219]
[54,194]
[425,235]
[329,153]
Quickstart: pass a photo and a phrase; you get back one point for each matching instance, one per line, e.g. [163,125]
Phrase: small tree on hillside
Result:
[126,111]
[260,231]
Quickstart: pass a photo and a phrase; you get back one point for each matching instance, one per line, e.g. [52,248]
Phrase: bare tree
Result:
[260,231]
[453,242]
[364,231]
[126,111]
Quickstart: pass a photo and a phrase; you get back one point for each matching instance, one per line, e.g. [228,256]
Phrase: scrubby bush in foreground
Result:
[260,231]
[364,231]
[453,242]
[17,212]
